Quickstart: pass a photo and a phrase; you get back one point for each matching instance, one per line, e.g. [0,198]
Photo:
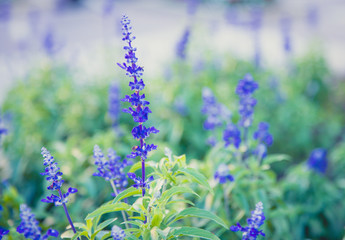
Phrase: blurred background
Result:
[60,87]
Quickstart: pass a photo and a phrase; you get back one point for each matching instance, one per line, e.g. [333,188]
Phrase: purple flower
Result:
[5,11]
[313,16]
[262,134]
[142,151]
[285,24]
[54,177]
[232,135]
[117,233]
[254,223]
[52,171]
[3,232]
[139,109]
[138,181]
[182,44]
[111,169]
[216,113]
[223,174]
[246,86]
[29,226]
[318,160]
[244,90]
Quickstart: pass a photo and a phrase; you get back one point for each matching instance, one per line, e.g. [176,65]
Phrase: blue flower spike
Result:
[54,177]
[251,232]
[140,107]
[29,226]
[245,88]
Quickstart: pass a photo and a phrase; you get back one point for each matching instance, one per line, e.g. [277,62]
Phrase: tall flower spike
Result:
[251,232]
[29,226]
[52,171]
[245,88]
[217,114]
[139,109]
[182,45]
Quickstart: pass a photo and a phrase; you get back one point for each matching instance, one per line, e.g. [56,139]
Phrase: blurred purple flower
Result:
[29,226]
[285,24]
[182,45]
[5,11]
[318,160]
[223,174]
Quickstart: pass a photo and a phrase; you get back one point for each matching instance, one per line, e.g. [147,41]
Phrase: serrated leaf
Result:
[127,193]
[197,176]
[193,232]
[200,213]
[173,191]
[107,209]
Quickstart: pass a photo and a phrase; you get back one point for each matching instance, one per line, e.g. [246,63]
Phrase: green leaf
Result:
[78,234]
[137,166]
[272,158]
[173,191]
[108,208]
[127,193]
[105,236]
[105,224]
[193,232]
[197,176]
[200,213]
[80,225]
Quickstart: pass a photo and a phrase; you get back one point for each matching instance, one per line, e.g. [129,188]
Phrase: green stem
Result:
[122,212]
[226,202]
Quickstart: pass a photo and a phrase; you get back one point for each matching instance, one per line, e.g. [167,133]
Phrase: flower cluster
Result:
[138,182]
[3,232]
[244,90]
[217,114]
[29,226]
[182,44]
[232,135]
[111,169]
[139,109]
[223,174]
[117,233]
[251,232]
[264,138]
[52,171]
[318,160]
